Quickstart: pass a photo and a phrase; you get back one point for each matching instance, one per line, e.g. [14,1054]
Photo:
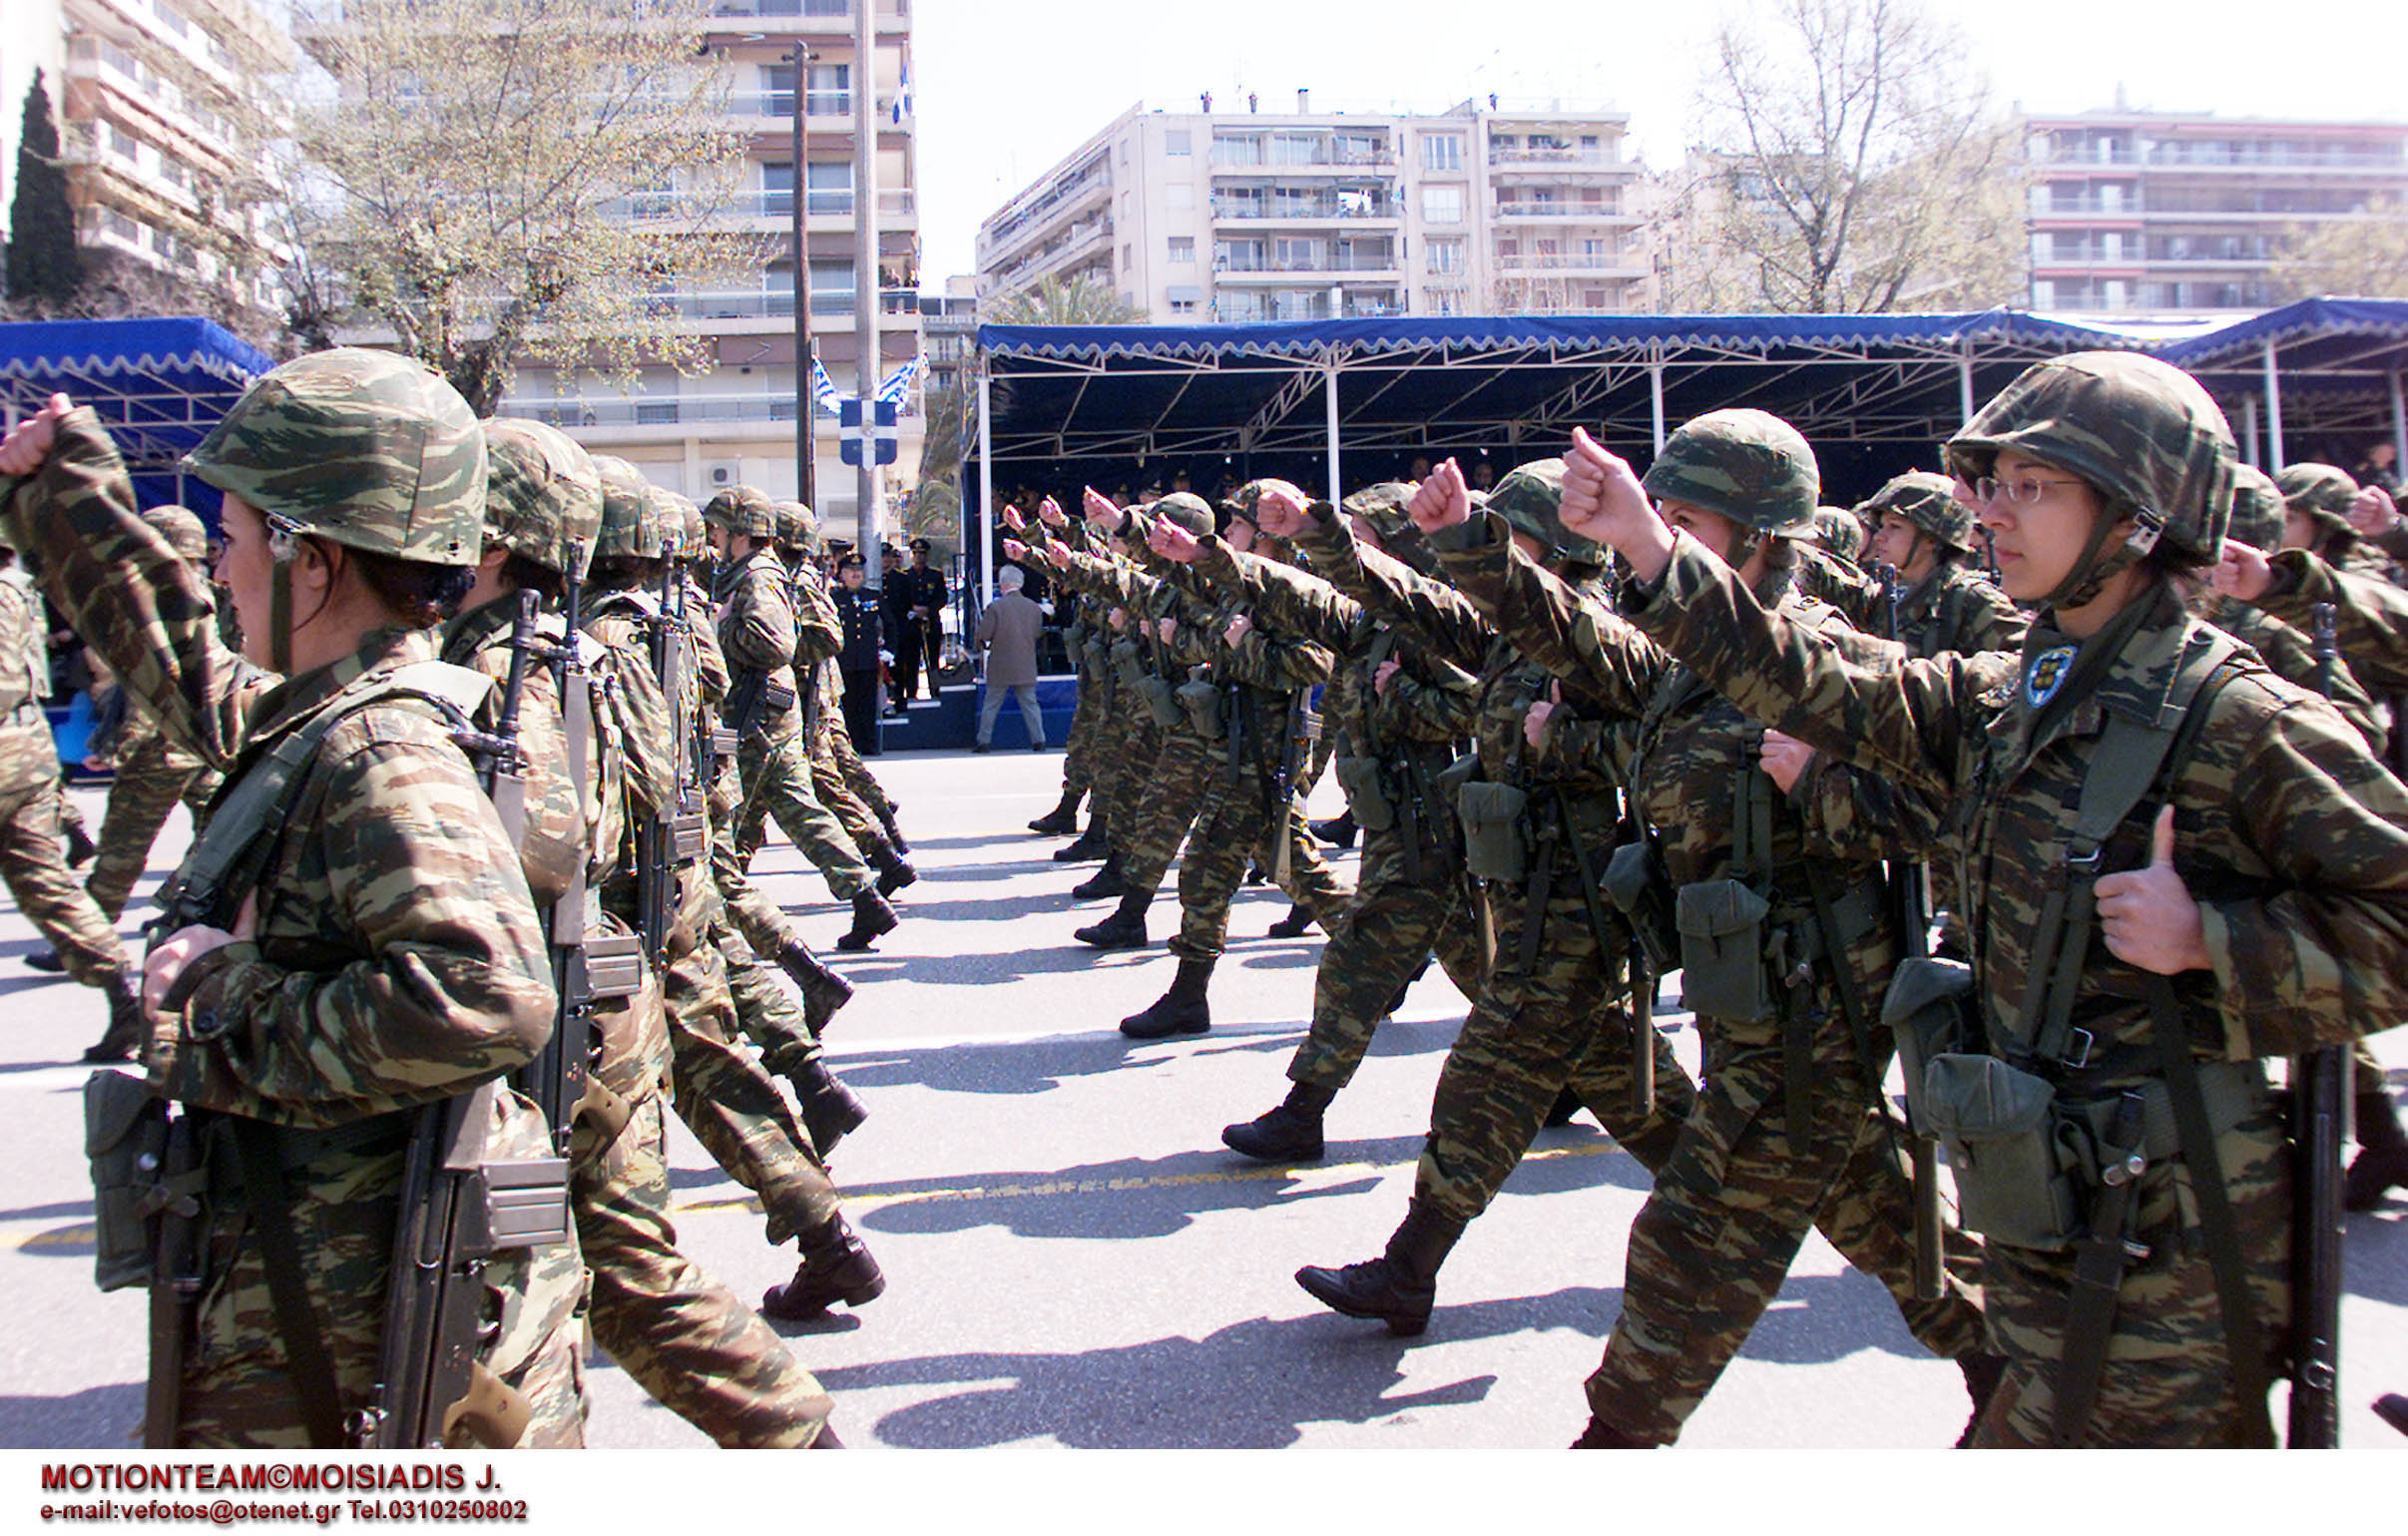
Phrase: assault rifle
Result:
[458,1210]
[671,840]
[1303,729]
[1910,893]
[2319,1104]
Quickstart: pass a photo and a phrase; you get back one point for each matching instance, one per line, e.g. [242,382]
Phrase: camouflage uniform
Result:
[394,957]
[45,890]
[2289,834]
[1790,1128]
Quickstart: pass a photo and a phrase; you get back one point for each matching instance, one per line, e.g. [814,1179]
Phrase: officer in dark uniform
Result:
[903,638]
[925,586]
[857,609]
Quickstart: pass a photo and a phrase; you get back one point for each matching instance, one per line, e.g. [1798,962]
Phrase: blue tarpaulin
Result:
[158,384]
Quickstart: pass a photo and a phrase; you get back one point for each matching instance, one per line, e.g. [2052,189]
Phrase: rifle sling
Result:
[2100,1258]
[270,1203]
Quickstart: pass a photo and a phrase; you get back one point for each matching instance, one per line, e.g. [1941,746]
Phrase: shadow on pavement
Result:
[96,1418]
[1127,1198]
[1035,1065]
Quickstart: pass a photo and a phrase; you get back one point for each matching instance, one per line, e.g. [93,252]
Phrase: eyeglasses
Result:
[2023,492]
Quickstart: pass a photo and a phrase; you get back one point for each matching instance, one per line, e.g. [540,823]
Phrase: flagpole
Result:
[869,515]
[807,402]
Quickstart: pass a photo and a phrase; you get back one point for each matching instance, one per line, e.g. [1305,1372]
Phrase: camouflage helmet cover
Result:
[1837,530]
[1529,499]
[2322,491]
[1383,507]
[1929,502]
[744,510]
[1748,465]
[181,529]
[696,532]
[2257,509]
[797,526]
[2142,432]
[638,520]
[362,449]
[1187,510]
[543,495]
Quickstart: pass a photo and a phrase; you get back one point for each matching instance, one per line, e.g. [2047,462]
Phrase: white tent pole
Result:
[2273,465]
[1656,392]
[1329,394]
[2399,425]
[2248,431]
[986,480]
[1965,381]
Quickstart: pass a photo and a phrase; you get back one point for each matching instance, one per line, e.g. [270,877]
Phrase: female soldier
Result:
[2105,1107]
[374,947]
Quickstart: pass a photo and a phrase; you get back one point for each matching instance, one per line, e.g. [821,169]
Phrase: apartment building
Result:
[2136,213]
[950,322]
[163,109]
[1194,214]
[735,422]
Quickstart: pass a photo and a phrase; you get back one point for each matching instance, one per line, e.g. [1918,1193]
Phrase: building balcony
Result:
[2338,161]
[822,111]
[788,10]
[1332,161]
[771,304]
[1241,269]
[2088,207]
[1518,210]
[896,207]
[1247,210]
[1566,159]
[1604,264]
[1092,184]
[1075,245]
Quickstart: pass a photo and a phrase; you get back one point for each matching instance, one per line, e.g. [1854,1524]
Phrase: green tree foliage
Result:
[45,269]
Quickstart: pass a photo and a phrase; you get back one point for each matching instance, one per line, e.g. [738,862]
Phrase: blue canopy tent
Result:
[1333,404]
[2323,374]
[157,384]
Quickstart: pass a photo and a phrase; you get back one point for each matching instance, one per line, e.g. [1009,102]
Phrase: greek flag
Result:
[902,97]
[898,383]
[823,390]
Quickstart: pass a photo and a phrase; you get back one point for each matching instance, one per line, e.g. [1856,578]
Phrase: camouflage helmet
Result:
[181,529]
[2142,432]
[741,509]
[2322,491]
[1186,509]
[1383,507]
[797,526]
[637,521]
[543,495]
[1836,529]
[1929,502]
[1748,465]
[362,449]
[696,533]
[1529,497]
[2257,509]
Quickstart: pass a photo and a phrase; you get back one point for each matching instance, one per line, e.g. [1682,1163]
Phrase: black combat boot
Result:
[823,991]
[122,1040]
[1601,1435]
[1291,1132]
[1291,926]
[835,1268]
[871,917]
[46,962]
[1983,1373]
[1104,884]
[893,872]
[80,846]
[1063,819]
[1398,1287]
[831,1110]
[1095,842]
[1180,1011]
[1124,928]
[2382,1160]
[887,821]
[1337,831]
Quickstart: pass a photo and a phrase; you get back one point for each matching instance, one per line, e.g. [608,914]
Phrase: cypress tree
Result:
[44,264]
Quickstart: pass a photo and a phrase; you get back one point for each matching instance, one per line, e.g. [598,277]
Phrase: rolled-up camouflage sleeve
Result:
[411,873]
[2371,615]
[758,630]
[144,608]
[1572,636]
[1441,618]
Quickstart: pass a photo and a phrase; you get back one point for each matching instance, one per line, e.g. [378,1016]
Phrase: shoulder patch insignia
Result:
[2047,675]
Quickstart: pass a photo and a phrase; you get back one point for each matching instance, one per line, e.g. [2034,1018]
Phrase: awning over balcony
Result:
[158,385]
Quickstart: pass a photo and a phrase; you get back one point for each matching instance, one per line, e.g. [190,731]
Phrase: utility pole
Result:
[807,404]
[866,267]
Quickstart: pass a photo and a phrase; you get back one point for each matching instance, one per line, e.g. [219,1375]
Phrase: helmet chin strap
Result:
[2092,571]
[283,546]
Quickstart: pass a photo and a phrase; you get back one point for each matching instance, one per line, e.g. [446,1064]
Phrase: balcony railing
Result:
[833,10]
[1576,260]
[769,303]
[1514,208]
[1522,156]
[2063,208]
[2334,160]
[1356,262]
[1294,210]
[1324,157]
[760,202]
[781,104]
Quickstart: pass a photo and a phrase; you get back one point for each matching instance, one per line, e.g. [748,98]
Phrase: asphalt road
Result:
[1072,1259]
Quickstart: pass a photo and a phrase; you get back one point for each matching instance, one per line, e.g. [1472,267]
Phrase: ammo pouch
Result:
[1721,927]
[1097,654]
[1366,791]
[1159,701]
[126,1137]
[1200,704]
[1126,662]
[1496,844]
[1635,883]
[2013,1154]
[1930,1009]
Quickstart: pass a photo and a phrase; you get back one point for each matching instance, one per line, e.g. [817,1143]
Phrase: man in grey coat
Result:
[1008,631]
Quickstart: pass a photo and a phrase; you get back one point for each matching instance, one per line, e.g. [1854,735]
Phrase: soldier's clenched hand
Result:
[28,442]
[2374,513]
[1050,511]
[2243,571]
[1101,512]
[1169,540]
[1783,760]
[1382,672]
[1279,509]
[1057,554]
[1013,520]
[1013,550]
[1239,629]
[2146,915]
[1604,501]
[1442,500]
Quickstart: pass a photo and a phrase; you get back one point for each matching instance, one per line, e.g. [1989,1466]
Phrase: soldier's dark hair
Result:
[621,573]
[518,570]
[418,593]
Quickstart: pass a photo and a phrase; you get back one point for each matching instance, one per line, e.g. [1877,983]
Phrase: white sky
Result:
[1005,88]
